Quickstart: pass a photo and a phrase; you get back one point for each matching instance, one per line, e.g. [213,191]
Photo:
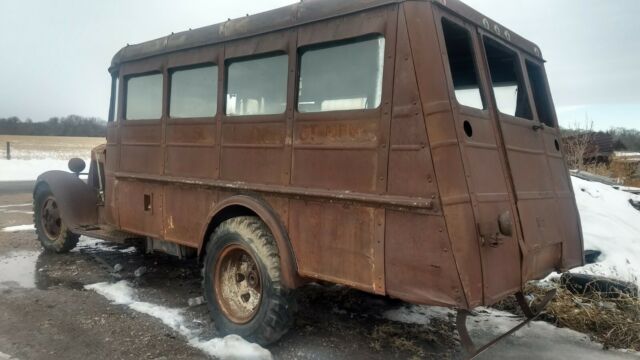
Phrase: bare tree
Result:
[577,142]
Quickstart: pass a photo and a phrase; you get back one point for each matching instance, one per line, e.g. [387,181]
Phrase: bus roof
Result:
[304,12]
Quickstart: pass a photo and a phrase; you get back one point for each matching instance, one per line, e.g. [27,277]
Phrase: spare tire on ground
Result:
[606,287]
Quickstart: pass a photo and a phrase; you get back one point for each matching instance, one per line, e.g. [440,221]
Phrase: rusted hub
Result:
[237,283]
[50,218]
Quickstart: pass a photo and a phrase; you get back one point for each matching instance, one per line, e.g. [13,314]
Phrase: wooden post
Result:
[8,150]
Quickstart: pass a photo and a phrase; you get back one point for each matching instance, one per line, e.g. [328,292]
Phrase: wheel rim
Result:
[50,218]
[238,284]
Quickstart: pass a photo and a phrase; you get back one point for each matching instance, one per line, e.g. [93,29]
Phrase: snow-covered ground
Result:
[230,347]
[537,340]
[611,225]
[17,170]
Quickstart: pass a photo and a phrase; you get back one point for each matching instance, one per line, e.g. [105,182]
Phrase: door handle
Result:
[537,127]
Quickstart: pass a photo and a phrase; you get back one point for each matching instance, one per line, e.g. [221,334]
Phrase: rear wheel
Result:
[51,230]
[242,282]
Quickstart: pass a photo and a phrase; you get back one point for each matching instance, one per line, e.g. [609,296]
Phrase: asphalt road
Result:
[16,187]
[46,313]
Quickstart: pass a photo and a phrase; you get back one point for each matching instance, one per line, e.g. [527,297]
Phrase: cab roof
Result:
[304,12]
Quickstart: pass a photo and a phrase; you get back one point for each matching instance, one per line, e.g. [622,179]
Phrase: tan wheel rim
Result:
[50,218]
[238,284]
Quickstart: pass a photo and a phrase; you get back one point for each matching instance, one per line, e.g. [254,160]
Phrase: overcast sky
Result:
[54,54]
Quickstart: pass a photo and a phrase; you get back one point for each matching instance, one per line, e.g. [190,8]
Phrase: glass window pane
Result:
[257,86]
[194,92]
[506,78]
[540,94]
[346,76]
[462,65]
[144,97]
[113,103]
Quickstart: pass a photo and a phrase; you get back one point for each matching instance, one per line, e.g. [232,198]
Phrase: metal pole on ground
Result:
[8,150]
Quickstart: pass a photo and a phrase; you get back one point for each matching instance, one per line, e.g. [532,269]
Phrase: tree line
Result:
[623,139]
[72,125]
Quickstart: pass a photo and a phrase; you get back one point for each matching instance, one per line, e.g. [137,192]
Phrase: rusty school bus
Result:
[403,148]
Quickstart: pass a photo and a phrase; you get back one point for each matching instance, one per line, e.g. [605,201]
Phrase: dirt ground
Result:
[46,313]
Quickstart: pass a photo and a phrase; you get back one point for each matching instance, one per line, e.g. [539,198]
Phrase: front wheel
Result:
[242,282]
[51,230]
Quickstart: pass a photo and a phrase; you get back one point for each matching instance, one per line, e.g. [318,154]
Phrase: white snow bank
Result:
[17,228]
[611,225]
[92,244]
[537,340]
[17,170]
[231,347]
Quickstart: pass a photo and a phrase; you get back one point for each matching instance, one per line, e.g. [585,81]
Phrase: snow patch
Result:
[231,347]
[19,170]
[17,228]
[15,205]
[93,244]
[611,225]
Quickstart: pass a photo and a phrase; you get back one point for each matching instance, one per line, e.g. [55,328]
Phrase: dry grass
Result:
[611,319]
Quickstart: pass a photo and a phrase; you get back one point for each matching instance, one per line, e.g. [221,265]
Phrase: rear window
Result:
[541,96]
[144,97]
[194,92]
[462,64]
[257,86]
[506,79]
[341,76]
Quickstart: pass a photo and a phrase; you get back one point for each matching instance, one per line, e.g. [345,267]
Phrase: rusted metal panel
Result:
[335,242]
[141,207]
[419,260]
[185,213]
[447,161]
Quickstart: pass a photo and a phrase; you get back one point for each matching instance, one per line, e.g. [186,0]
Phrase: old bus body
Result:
[403,148]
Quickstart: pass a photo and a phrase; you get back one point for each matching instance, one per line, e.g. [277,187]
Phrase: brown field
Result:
[48,147]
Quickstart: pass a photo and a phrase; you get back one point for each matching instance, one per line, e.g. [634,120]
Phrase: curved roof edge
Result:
[290,16]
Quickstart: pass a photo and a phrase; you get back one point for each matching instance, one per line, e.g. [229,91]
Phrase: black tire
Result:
[60,241]
[273,315]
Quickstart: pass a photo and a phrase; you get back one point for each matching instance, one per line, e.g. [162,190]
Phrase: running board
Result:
[530,312]
[105,232]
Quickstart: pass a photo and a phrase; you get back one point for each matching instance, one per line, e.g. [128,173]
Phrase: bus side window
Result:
[506,78]
[144,97]
[540,94]
[257,86]
[341,76]
[113,103]
[194,92]
[462,65]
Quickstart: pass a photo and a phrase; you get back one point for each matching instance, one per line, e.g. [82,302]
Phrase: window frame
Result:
[476,48]
[520,73]
[125,94]
[300,50]
[256,56]
[552,113]
[182,67]
[113,98]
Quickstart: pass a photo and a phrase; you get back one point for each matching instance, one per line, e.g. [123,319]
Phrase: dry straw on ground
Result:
[611,319]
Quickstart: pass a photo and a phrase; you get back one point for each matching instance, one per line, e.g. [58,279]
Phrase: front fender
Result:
[76,200]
